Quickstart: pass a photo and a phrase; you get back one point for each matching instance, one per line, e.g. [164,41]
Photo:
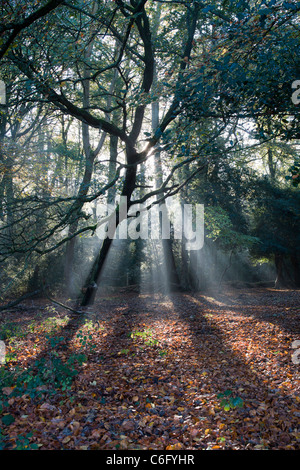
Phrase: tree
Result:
[213,72]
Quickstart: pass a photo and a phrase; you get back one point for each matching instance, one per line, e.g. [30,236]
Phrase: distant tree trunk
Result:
[113,148]
[271,164]
[3,120]
[279,282]
[195,273]
[34,281]
[9,187]
[296,269]
[2,187]
[185,265]
[225,270]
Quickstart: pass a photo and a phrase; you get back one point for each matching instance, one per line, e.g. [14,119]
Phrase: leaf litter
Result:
[176,372]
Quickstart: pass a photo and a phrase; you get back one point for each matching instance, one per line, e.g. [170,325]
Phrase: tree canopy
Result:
[84,82]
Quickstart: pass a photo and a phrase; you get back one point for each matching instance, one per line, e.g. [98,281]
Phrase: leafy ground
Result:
[147,372]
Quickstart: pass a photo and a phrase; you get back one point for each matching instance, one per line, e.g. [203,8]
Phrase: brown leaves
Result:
[7,390]
[152,378]
[47,407]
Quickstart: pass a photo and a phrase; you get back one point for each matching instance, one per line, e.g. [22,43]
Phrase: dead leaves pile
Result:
[164,373]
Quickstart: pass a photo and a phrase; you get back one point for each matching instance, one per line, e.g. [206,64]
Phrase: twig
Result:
[77,312]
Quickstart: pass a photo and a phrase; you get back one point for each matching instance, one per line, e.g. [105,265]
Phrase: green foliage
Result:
[162,353]
[10,330]
[51,324]
[23,442]
[85,340]
[146,335]
[221,230]
[276,220]
[50,373]
[124,351]
[7,419]
[229,402]
[1,440]
[53,370]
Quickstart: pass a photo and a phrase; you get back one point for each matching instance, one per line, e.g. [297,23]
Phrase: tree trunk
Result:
[113,148]
[93,279]
[186,268]
[279,282]
[271,164]
[9,189]
[169,261]
[296,269]
[34,283]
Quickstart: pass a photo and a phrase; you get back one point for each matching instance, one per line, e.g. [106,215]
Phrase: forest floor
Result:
[190,372]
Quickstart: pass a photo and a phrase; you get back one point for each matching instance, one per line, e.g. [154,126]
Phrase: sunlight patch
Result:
[2,352]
